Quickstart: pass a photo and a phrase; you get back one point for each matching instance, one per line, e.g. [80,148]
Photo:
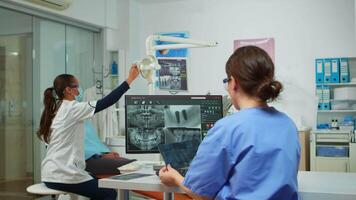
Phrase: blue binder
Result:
[326,98]
[327,70]
[319,94]
[319,71]
[344,70]
[335,70]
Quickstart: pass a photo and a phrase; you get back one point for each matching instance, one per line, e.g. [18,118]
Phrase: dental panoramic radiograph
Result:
[150,125]
[145,126]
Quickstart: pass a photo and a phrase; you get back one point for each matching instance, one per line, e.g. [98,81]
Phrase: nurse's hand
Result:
[170,176]
[134,72]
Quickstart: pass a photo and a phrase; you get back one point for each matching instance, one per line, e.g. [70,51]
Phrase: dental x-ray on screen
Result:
[162,119]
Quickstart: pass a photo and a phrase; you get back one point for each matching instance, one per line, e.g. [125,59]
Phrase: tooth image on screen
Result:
[173,135]
[152,120]
[145,126]
[185,116]
[145,139]
[145,116]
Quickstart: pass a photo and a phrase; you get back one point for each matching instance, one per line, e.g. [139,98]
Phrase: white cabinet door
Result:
[332,164]
[352,157]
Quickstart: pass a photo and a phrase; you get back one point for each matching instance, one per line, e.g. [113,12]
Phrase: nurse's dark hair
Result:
[253,69]
[52,99]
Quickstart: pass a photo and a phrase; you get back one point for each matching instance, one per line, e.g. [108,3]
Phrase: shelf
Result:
[337,84]
[330,131]
[336,111]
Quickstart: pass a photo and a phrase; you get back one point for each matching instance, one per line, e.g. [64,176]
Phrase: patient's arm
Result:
[111,155]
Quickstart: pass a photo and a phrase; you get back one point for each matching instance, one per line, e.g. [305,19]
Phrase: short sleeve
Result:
[82,110]
[210,167]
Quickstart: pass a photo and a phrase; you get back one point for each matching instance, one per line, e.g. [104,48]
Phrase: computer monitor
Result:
[162,119]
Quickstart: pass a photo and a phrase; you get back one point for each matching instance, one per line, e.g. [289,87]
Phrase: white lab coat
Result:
[64,161]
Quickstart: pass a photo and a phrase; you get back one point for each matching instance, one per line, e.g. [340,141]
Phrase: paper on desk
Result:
[131,167]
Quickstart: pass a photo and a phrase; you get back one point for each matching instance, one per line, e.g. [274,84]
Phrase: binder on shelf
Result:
[319,95]
[327,70]
[319,70]
[344,70]
[335,70]
[326,97]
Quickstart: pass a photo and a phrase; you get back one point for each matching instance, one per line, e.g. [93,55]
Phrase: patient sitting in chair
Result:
[100,161]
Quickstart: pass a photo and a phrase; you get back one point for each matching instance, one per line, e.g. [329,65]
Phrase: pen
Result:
[167,166]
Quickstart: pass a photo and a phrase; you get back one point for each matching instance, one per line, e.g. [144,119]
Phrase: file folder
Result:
[319,95]
[319,70]
[344,70]
[326,98]
[327,70]
[335,70]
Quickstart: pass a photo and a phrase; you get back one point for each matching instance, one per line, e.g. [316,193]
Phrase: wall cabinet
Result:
[332,150]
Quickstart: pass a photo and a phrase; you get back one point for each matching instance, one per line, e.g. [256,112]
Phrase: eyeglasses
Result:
[225,82]
[74,86]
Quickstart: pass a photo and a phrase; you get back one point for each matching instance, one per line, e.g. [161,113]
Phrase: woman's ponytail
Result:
[50,109]
[52,100]
[269,91]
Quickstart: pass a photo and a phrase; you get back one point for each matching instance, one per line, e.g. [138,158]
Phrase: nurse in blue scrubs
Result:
[253,153]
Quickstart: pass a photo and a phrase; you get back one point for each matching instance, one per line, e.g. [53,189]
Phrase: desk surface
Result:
[320,183]
[327,182]
[147,183]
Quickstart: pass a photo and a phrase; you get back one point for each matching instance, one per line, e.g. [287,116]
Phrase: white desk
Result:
[147,183]
[312,185]
[327,185]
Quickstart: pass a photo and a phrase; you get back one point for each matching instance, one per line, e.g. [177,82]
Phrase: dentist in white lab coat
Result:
[62,128]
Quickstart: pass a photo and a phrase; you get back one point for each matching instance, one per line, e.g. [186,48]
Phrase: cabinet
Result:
[113,70]
[331,145]
[332,150]
[115,75]
[353,157]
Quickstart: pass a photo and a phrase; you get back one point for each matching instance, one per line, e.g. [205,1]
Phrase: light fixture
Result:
[149,65]
[14,53]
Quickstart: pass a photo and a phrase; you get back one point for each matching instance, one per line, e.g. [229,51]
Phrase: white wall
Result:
[100,13]
[303,30]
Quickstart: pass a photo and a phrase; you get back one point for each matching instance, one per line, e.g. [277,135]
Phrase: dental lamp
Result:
[149,65]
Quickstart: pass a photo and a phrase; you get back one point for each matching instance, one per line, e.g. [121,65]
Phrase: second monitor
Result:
[163,119]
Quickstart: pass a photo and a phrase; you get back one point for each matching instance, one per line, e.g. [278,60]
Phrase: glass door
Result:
[33,51]
[59,49]
[16,125]
[83,58]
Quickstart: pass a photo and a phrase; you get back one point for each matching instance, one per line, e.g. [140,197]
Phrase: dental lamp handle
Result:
[134,72]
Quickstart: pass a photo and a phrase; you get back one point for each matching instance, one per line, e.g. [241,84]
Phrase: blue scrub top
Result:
[92,143]
[252,154]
